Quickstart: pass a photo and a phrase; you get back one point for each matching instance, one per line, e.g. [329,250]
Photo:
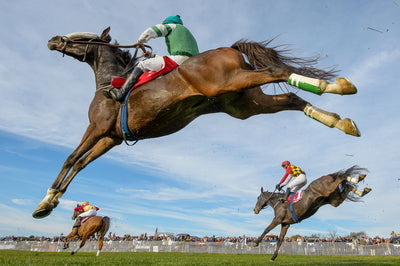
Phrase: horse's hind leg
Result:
[329,119]
[100,241]
[356,180]
[284,228]
[341,86]
[83,242]
[361,193]
[254,101]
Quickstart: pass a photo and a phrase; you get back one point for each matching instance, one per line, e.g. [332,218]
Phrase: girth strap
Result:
[126,134]
[292,210]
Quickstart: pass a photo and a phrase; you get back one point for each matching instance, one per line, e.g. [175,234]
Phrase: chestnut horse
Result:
[219,80]
[91,226]
[332,189]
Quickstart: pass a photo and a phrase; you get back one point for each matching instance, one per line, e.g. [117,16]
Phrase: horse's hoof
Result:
[346,87]
[366,191]
[43,210]
[361,177]
[72,253]
[349,127]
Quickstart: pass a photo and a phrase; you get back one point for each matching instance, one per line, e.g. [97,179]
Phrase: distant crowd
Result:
[360,239]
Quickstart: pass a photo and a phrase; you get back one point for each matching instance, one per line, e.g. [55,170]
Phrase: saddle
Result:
[296,197]
[170,65]
[85,219]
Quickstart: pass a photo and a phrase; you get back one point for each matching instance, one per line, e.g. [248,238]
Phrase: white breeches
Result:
[297,183]
[91,212]
[157,63]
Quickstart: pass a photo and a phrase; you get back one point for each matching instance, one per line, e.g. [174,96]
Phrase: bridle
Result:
[94,41]
[267,199]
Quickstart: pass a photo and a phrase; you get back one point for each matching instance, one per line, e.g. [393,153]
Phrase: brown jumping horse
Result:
[332,189]
[219,80]
[91,226]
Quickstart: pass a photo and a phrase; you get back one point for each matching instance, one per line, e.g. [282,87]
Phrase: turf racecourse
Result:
[15,257]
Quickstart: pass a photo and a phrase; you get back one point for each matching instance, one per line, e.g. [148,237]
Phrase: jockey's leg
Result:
[332,120]
[78,222]
[287,193]
[341,86]
[295,185]
[119,94]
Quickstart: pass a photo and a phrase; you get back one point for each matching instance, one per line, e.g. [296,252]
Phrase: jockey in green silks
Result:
[180,44]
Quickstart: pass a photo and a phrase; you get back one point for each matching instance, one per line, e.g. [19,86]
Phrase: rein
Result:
[141,46]
[270,196]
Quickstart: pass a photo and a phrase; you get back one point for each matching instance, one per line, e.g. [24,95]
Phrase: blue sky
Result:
[204,179]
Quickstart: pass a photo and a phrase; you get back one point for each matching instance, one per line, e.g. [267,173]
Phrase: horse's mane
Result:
[267,194]
[123,56]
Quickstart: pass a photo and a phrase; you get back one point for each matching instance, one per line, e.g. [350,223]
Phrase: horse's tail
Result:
[105,226]
[260,56]
[346,187]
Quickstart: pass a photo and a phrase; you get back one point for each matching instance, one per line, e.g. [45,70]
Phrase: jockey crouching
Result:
[89,211]
[180,44]
[295,173]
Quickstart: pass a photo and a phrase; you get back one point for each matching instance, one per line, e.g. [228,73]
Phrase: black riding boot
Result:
[119,94]
[78,222]
[287,193]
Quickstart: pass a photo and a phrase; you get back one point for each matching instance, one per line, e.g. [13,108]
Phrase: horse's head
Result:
[76,213]
[262,201]
[77,44]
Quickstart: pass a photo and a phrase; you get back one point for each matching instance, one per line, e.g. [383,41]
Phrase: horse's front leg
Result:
[50,201]
[68,239]
[284,228]
[101,147]
[272,225]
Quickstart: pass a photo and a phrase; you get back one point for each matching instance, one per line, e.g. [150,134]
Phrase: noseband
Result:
[267,199]
[97,41]
[67,40]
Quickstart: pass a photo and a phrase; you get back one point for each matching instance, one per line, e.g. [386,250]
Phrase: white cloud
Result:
[22,201]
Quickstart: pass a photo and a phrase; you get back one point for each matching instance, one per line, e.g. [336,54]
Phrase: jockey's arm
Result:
[287,176]
[287,180]
[159,30]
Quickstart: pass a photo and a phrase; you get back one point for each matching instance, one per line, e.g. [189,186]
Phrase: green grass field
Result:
[16,257]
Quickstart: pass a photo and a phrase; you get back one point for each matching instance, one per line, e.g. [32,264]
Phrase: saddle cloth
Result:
[85,219]
[298,196]
[148,76]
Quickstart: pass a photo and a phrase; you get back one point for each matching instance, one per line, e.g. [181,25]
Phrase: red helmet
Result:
[285,163]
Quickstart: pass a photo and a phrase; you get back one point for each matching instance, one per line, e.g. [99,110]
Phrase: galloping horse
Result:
[93,225]
[332,189]
[218,80]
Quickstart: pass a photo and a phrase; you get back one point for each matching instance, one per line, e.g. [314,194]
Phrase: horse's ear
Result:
[104,36]
[262,189]
[77,205]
